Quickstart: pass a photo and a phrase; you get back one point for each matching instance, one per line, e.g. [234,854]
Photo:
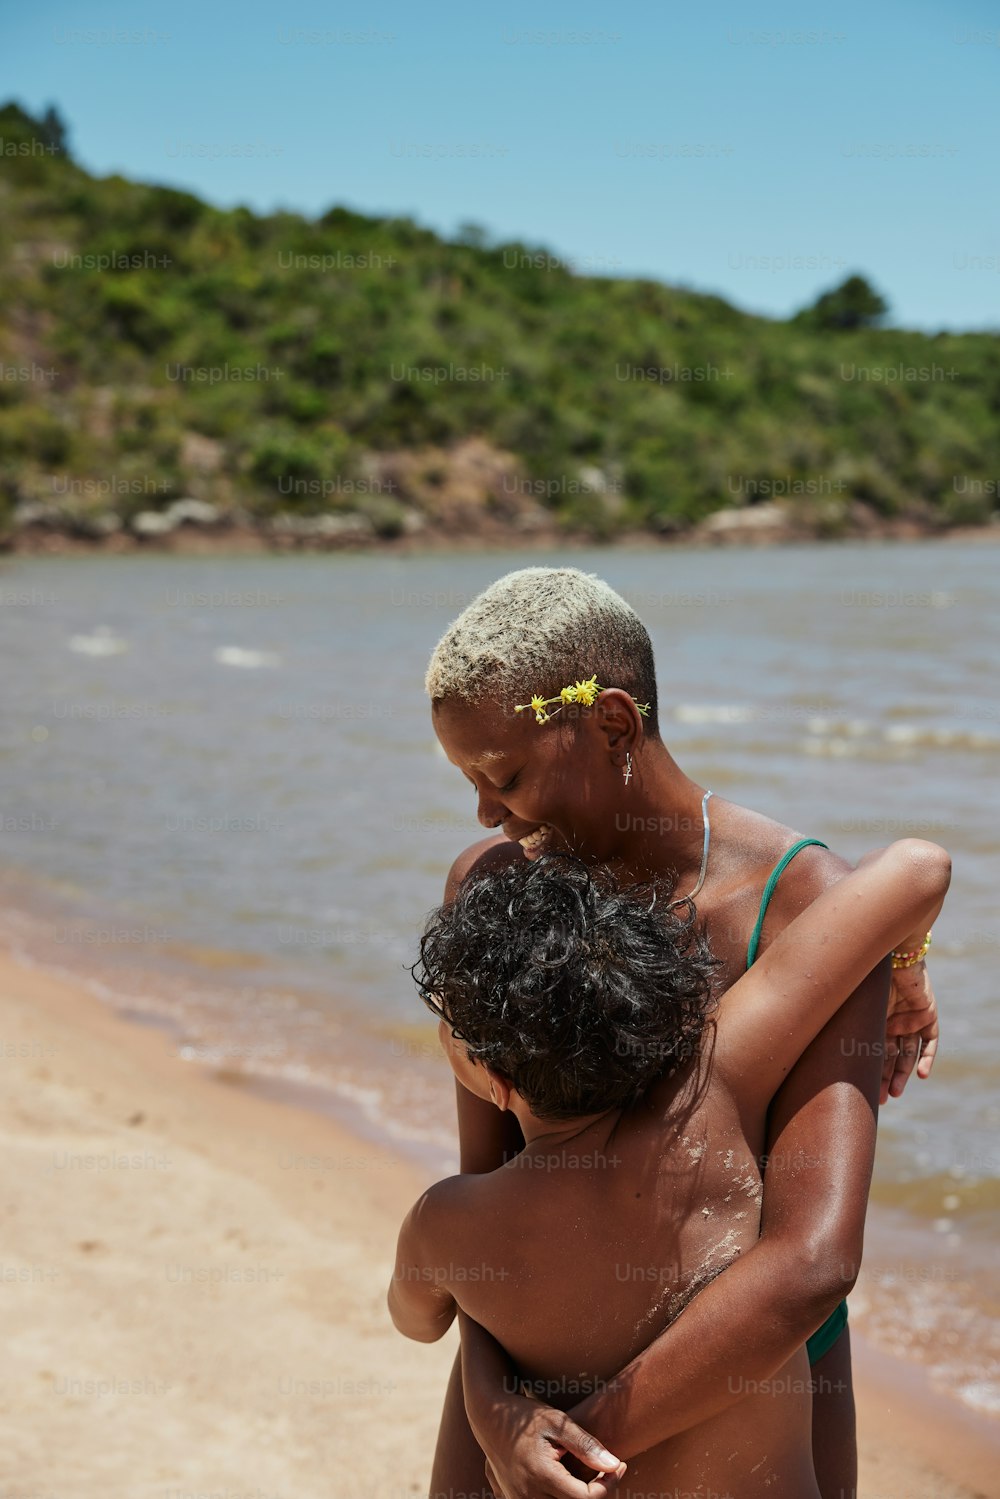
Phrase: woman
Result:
[544,695]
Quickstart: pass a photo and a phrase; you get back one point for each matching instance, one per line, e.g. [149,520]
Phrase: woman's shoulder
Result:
[757,846]
[757,843]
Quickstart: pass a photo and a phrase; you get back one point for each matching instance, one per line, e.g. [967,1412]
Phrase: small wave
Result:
[971,1187]
[836,747]
[933,1313]
[102,642]
[852,728]
[981,1394]
[715,713]
[369,1101]
[858,737]
[910,734]
[839,736]
[238,655]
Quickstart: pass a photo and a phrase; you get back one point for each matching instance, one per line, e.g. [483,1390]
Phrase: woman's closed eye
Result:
[501,789]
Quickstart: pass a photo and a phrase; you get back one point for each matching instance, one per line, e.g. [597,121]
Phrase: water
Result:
[224,803]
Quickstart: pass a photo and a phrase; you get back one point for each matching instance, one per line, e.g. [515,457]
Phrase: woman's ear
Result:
[500,1089]
[619,720]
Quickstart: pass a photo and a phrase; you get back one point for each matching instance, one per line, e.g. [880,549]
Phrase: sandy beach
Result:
[194,1282]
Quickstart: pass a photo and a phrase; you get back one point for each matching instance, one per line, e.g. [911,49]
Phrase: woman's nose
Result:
[490,811]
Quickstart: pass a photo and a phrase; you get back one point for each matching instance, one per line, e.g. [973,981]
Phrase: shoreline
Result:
[736,529]
[219,1304]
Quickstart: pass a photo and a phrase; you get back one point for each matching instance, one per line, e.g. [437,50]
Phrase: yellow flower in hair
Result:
[585,693]
[537,706]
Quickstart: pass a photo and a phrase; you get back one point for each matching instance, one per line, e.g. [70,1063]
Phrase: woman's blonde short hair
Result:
[535,631]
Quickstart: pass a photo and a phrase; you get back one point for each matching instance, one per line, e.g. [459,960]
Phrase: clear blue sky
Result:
[681,141]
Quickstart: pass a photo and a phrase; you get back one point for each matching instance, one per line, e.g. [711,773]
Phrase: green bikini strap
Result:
[765,899]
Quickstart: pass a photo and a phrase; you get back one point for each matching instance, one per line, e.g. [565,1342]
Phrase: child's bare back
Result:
[578,1253]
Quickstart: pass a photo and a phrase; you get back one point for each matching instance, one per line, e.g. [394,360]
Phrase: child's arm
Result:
[776,1009]
[420,1304]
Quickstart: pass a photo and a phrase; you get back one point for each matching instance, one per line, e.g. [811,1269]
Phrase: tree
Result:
[853,304]
[52,130]
[475,236]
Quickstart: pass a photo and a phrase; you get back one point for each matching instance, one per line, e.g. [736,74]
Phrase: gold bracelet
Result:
[911,959]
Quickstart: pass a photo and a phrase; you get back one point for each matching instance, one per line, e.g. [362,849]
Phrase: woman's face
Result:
[548,786]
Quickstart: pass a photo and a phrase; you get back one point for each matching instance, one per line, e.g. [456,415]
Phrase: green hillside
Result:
[154,347]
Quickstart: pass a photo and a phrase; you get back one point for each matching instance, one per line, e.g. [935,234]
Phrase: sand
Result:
[194,1280]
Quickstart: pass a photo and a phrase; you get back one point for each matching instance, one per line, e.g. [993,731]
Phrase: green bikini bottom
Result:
[824,1337]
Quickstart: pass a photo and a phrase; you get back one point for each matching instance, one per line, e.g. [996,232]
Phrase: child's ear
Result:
[500,1089]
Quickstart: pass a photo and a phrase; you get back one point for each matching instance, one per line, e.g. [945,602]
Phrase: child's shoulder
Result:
[453,1195]
[441,1216]
[481,857]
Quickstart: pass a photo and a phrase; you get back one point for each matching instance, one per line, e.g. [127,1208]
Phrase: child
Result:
[586,1010]
[582,766]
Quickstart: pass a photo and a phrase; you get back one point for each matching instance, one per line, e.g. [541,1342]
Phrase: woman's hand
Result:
[911,1029]
[525,1448]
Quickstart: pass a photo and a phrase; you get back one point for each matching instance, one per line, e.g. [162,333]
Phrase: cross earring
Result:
[627,772]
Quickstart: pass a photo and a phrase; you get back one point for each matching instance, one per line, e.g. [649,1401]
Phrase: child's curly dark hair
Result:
[578,991]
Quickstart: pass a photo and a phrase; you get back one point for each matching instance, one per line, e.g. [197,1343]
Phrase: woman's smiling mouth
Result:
[535,842]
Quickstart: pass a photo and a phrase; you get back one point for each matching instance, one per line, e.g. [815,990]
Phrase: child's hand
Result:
[911,1029]
[525,1452]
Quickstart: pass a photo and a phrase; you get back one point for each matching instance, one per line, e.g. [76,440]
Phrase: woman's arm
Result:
[776,1009]
[486,1137]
